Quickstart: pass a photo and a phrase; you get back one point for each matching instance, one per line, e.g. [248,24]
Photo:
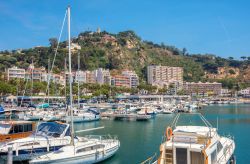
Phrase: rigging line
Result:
[59,39]
[25,87]
[53,62]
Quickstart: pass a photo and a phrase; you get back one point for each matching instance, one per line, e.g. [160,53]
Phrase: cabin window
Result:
[31,144]
[214,157]
[20,128]
[90,148]
[67,132]
[219,147]
[196,158]
[15,129]
[181,156]
[27,128]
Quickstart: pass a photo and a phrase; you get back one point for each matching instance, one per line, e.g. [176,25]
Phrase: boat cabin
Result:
[195,145]
[11,130]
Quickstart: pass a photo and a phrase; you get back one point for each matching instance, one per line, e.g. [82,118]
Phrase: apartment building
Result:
[103,76]
[34,74]
[80,77]
[15,73]
[127,79]
[202,88]
[90,77]
[160,76]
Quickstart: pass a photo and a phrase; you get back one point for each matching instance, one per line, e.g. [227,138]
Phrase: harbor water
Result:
[141,140]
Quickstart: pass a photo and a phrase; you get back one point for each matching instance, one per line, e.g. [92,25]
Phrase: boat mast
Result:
[70,81]
[78,82]
[32,74]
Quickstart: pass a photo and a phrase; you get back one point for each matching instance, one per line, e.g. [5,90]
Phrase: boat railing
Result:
[105,139]
[35,143]
[102,137]
[227,150]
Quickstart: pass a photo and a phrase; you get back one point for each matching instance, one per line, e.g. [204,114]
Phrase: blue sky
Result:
[219,27]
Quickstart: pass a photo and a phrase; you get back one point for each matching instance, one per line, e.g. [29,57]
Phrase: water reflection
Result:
[139,140]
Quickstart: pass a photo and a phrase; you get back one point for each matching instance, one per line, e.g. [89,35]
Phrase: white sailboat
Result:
[83,150]
[50,136]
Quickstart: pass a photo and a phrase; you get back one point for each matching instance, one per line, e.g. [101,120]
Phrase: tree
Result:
[232,72]
[243,57]
[53,42]
[230,58]
[184,51]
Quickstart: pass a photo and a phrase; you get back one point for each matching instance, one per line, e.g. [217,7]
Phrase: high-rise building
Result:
[158,75]
[15,73]
[127,79]
[103,76]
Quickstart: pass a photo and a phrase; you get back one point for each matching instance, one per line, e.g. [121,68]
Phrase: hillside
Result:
[126,50]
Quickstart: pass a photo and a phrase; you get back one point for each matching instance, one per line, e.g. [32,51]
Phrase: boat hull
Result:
[86,159]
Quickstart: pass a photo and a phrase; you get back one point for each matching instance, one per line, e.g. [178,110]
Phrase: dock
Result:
[118,116]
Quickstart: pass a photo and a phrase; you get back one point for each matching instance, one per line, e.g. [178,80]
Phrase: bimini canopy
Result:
[53,129]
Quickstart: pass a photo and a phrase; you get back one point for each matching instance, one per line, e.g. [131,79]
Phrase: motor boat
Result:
[195,145]
[12,130]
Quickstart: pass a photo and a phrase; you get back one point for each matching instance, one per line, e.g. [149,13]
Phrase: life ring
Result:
[169,133]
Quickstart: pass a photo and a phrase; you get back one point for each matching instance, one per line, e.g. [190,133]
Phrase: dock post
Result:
[10,156]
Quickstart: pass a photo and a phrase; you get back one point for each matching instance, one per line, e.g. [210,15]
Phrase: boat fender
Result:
[169,133]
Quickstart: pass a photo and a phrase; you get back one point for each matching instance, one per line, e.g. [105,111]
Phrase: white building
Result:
[133,78]
[15,73]
[103,76]
[245,92]
[80,77]
[161,76]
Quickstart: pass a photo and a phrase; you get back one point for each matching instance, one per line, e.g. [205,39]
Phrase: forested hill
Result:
[127,50]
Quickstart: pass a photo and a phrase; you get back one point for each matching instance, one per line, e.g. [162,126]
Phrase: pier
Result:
[118,116]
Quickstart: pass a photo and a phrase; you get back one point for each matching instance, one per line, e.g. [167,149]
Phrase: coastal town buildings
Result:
[245,92]
[80,76]
[161,76]
[201,88]
[91,77]
[15,73]
[127,79]
[103,76]
[35,74]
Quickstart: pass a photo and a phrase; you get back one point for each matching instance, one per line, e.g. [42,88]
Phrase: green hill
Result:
[124,50]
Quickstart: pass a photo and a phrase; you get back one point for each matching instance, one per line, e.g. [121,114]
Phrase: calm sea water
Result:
[140,140]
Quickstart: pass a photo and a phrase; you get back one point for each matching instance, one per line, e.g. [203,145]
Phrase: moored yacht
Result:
[195,145]
[90,149]
[50,136]
[11,130]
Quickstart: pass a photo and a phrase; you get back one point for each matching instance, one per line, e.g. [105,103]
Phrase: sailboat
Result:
[80,115]
[81,149]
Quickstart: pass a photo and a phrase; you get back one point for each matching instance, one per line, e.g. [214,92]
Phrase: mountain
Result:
[126,50]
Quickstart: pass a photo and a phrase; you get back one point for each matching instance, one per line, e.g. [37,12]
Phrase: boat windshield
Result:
[51,129]
[4,128]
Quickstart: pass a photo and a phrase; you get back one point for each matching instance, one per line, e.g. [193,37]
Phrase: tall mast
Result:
[78,85]
[70,81]
[32,69]
[49,78]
